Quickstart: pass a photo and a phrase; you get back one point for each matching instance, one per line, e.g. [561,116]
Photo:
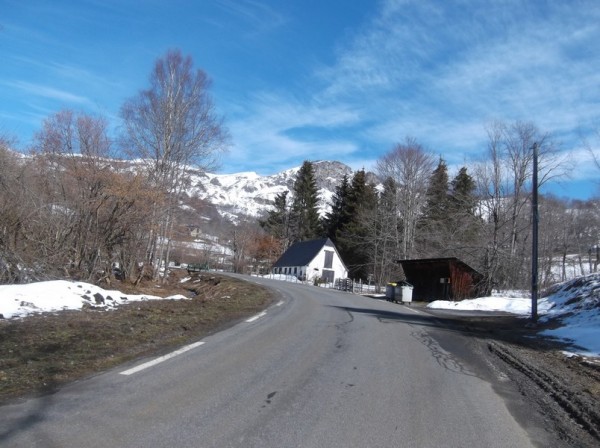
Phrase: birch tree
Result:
[409,166]
[170,126]
[504,184]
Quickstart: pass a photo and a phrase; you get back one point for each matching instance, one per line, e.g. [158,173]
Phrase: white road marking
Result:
[161,359]
[279,303]
[411,310]
[258,316]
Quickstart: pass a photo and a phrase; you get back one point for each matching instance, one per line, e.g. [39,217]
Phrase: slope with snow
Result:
[252,194]
[574,305]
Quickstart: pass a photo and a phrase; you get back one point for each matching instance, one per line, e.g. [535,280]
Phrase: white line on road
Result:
[412,310]
[161,358]
[279,303]
[258,316]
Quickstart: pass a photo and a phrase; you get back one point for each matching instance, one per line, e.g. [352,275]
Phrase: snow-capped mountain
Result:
[251,194]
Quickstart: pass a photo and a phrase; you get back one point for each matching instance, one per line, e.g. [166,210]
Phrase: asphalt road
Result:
[320,368]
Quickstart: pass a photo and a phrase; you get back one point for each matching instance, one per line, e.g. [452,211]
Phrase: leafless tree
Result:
[171,126]
[504,181]
[12,213]
[409,166]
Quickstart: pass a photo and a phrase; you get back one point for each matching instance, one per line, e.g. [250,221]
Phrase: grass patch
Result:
[42,352]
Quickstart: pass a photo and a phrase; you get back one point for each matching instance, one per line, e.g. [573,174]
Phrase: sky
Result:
[338,80]
[576,306]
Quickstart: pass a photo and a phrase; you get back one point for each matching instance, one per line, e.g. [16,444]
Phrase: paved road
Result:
[320,368]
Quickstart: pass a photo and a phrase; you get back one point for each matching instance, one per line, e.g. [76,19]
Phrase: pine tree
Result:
[437,205]
[337,218]
[304,219]
[463,192]
[464,223]
[277,220]
[434,224]
[352,238]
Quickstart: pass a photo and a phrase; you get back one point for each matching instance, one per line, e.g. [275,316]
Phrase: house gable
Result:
[312,259]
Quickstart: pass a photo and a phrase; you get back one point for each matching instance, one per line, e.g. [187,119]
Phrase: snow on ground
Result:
[58,295]
[574,305]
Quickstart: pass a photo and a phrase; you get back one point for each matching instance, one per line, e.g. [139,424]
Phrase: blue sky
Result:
[337,80]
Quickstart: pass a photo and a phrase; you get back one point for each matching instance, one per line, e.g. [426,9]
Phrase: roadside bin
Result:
[403,292]
[390,290]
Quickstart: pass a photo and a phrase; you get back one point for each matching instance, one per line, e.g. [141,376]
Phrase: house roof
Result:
[302,253]
[423,262]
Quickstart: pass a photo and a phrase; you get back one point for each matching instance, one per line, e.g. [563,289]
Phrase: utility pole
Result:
[534,236]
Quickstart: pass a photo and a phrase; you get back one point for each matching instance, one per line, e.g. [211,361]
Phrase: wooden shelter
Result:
[441,279]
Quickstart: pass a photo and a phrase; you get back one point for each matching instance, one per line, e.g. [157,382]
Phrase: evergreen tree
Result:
[437,205]
[465,224]
[352,238]
[462,195]
[338,217]
[304,218]
[277,220]
[434,224]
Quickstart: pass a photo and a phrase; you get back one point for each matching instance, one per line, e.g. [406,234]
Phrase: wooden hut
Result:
[441,279]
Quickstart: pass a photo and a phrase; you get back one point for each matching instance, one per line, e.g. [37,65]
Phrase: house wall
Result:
[317,265]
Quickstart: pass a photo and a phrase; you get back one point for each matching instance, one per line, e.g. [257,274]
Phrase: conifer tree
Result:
[352,238]
[337,218]
[465,224]
[462,195]
[434,225]
[304,218]
[436,208]
[277,220]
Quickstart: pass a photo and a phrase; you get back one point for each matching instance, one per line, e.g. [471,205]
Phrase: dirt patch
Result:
[42,352]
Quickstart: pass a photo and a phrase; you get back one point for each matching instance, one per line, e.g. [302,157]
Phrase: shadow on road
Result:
[503,328]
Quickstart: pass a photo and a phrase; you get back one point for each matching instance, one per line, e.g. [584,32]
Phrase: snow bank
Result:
[58,295]
[575,304]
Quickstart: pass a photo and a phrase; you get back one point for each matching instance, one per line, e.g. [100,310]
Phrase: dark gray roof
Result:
[302,253]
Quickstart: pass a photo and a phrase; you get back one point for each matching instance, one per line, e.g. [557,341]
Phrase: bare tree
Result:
[409,166]
[383,236]
[12,214]
[171,126]
[504,186]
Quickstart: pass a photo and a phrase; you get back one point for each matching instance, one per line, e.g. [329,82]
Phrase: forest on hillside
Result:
[417,211]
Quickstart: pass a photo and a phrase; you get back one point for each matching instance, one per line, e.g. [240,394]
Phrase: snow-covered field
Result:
[575,303]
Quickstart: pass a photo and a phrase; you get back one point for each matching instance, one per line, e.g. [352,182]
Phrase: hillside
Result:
[252,194]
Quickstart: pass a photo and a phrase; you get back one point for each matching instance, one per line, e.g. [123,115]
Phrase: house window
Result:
[295,271]
[328,260]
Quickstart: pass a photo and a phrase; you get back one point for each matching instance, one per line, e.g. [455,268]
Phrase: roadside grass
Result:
[40,353]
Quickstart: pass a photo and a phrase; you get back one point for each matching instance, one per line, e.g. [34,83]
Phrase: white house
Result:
[310,260]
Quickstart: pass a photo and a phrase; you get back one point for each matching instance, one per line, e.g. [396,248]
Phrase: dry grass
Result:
[39,353]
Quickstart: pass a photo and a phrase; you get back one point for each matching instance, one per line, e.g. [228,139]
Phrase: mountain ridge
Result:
[251,194]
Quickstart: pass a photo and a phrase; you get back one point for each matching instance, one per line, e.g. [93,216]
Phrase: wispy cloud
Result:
[440,71]
[274,130]
[47,92]
[260,16]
